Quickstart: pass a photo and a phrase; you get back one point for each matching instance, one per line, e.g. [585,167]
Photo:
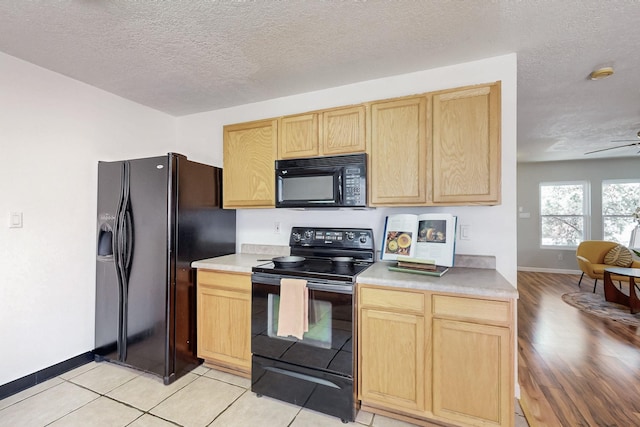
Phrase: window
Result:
[564,213]
[619,200]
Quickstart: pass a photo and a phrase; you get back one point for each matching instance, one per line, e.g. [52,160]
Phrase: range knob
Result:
[308,234]
[296,237]
[363,238]
[350,235]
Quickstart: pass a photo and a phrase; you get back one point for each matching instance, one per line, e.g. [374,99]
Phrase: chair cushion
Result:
[620,256]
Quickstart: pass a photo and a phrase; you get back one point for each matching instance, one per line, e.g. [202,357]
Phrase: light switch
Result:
[465,232]
[15,220]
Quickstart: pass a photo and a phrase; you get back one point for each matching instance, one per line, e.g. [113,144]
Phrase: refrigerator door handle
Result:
[116,262]
[122,255]
[128,240]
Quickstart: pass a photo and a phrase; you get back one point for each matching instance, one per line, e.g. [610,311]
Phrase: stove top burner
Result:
[316,268]
[318,246]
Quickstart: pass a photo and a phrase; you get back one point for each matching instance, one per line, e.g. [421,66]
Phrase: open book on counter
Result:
[424,243]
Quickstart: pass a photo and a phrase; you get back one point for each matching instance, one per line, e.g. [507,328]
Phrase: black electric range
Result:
[320,247]
[314,370]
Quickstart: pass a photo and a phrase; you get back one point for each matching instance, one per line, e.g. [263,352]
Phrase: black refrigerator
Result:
[155,216]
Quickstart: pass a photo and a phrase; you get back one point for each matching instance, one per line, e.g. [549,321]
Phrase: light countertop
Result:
[240,263]
[458,280]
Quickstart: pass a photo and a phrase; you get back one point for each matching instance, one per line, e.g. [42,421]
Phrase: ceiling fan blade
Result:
[613,148]
[623,140]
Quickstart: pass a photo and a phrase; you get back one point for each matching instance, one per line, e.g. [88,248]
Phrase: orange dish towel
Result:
[293,315]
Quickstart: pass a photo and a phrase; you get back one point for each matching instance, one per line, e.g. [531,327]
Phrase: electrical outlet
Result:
[276,227]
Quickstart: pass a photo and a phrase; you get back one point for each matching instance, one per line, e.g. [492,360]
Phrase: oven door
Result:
[316,371]
[328,343]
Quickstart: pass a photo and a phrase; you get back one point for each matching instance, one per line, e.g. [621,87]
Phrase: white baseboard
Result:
[549,270]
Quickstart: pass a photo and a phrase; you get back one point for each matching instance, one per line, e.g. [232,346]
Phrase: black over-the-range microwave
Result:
[333,182]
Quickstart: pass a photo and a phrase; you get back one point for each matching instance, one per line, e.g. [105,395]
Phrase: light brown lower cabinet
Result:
[224,320]
[397,340]
[439,357]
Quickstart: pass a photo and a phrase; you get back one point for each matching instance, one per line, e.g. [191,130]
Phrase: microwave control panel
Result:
[355,190]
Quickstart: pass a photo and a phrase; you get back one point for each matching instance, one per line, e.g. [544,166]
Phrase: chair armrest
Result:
[586,266]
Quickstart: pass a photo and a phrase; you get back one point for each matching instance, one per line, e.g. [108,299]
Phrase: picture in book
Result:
[428,237]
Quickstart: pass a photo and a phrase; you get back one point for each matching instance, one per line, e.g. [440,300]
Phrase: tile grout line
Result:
[229,405]
[138,374]
[79,407]
[143,374]
[142,411]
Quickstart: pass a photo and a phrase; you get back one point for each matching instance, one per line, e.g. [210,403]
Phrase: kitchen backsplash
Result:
[475,261]
[275,250]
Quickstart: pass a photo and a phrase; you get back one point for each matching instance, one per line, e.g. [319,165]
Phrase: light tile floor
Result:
[104,394]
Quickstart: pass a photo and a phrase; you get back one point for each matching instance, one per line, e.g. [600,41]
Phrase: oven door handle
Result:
[337,287]
[343,289]
[300,376]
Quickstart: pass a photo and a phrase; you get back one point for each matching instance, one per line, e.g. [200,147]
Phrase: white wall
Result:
[530,175]
[53,131]
[493,229]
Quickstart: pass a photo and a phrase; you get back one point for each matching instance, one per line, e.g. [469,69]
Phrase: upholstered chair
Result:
[591,255]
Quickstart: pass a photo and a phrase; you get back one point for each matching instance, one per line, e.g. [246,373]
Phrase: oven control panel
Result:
[343,238]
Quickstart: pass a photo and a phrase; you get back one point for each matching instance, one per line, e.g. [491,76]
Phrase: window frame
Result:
[603,216]
[586,215]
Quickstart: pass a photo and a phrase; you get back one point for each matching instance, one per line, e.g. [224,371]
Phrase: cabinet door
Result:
[472,367]
[466,146]
[298,136]
[392,359]
[343,131]
[224,320]
[248,164]
[398,174]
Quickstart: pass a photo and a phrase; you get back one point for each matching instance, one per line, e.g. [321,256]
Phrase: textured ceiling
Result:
[190,56]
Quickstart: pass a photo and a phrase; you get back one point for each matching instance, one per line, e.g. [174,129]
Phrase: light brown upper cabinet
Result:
[435,149]
[398,153]
[324,133]
[466,146]
[446,152]
[298,136]
[248,164]
[343,131]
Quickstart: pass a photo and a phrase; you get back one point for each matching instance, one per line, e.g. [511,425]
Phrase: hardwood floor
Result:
[574,369]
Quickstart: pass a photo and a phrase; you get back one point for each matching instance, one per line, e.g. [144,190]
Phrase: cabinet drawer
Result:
[237,281]
[391,299]
[471,308]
